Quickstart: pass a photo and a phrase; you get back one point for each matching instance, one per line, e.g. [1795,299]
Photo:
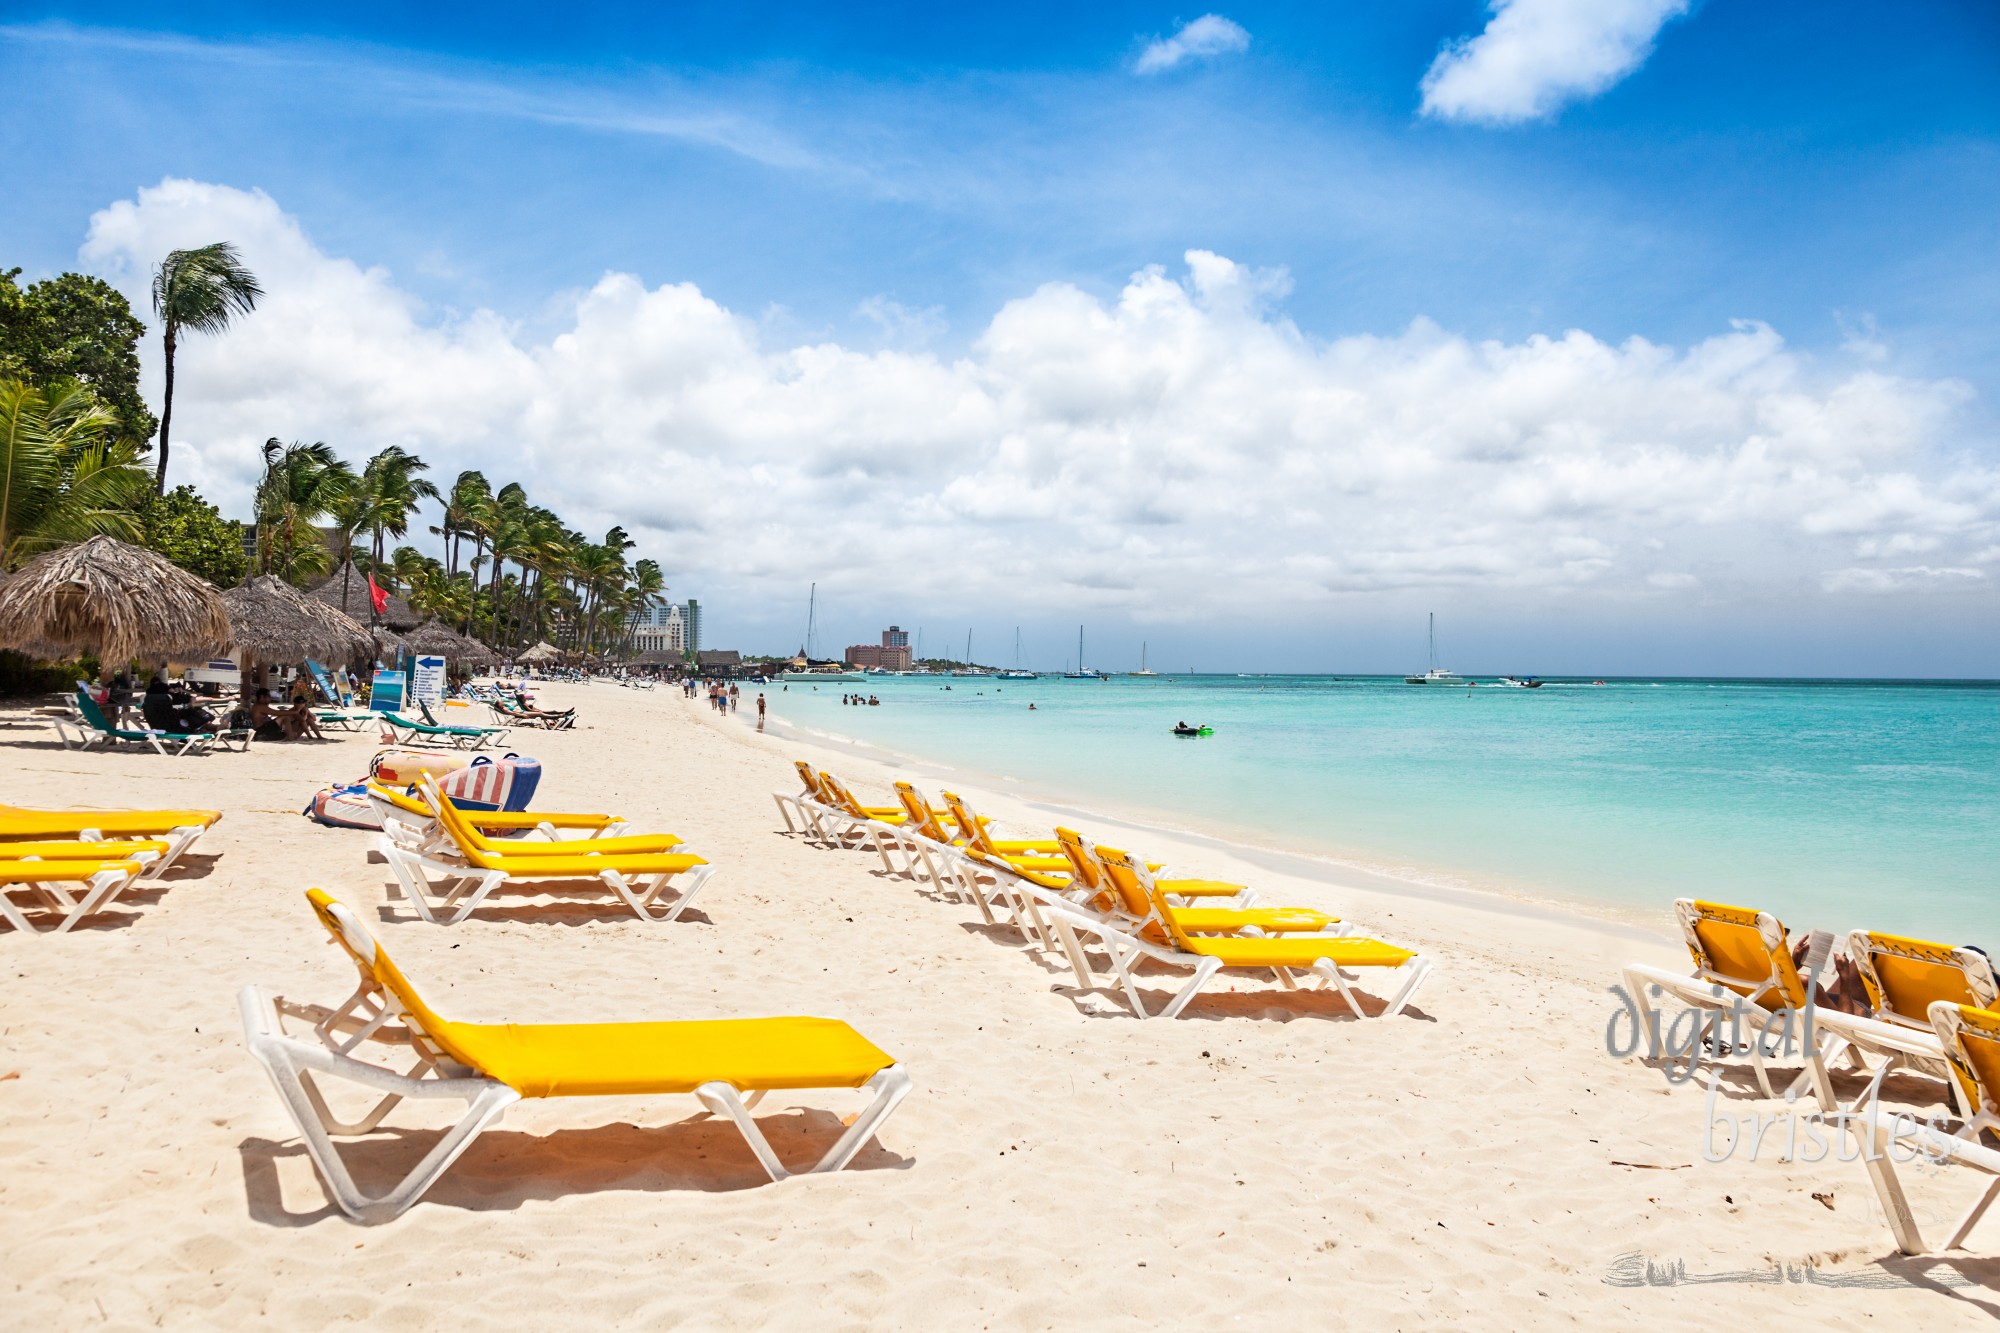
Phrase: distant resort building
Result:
[672,629]
[892,654]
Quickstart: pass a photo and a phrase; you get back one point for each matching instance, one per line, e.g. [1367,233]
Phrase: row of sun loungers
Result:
[58,867]
[1931,1012]
[1100,908]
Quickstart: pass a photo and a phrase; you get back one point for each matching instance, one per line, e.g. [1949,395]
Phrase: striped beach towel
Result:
[506,783]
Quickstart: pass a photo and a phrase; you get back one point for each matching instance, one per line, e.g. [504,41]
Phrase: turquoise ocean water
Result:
[1834,804]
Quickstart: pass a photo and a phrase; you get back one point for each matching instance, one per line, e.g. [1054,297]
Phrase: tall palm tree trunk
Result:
[166,415]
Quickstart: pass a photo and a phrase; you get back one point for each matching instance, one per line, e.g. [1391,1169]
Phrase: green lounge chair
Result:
[341,714]
[97,729]
[463,738]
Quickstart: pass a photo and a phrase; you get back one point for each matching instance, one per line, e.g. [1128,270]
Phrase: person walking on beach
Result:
[760,711]
[735,693]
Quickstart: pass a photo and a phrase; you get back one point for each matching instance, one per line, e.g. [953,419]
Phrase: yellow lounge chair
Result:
[70,889]
[177,828]
[1331,958]
[1126,893]
[491,1066]
[1088,876]
[1742,959]
[1904,977]
[1970,1040]
[412,821]
[469,872]
[798,802]
[464,831]
[973,831]
[1016,881]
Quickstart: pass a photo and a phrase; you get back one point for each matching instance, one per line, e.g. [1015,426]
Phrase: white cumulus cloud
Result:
[1206,37]
[1536,56]
[1180,450]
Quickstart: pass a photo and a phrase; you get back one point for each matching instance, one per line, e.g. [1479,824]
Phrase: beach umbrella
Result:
[273,622]
[541,652]
[119,601]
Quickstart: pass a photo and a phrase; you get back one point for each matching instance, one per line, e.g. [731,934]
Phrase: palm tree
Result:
[61,481]
[469,494]
[302,484]
[393,490]
[200,291]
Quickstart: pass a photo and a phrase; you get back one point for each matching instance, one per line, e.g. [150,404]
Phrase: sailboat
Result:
[1437,675]
[1142,663]
[969,669]
[805,670]
[1082,672]
[1017,672]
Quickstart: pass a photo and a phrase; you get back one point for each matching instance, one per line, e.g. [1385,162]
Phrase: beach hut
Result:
[346,591]
[118,601]
[274,624]
[437,639]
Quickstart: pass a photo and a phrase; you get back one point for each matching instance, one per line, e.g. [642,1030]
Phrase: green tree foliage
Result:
[76,328]
[196,291]
[302,485]
[192,533]
[63,477]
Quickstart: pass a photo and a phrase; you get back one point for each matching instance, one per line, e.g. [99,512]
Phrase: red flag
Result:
[378,596]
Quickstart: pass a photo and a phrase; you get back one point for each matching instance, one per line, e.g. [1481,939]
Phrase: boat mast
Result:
[1079,650]
[812,605]
[968,649]
[1434,641]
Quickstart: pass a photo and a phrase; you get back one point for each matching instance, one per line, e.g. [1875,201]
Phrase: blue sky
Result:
[890,179]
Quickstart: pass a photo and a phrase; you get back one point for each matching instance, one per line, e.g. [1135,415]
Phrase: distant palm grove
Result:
[75,440]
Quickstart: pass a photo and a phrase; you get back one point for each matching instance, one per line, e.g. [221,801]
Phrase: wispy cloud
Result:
[663,109]
[1209,36]
[1537,56]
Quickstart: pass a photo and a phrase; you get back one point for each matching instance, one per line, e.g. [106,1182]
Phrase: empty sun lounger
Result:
[461,738]
[491,1066]
[1335,960]
[445,887]
[178,829]
[66,890]
[412,821]
[1970,1040]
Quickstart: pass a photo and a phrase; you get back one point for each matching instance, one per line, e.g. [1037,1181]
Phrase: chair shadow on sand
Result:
[504,1169]
[536,905]
[1264,1002]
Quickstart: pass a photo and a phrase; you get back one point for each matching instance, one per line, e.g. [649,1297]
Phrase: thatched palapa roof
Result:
[346,591]
[274,622]
[541,652]
[116,600]
[438,639]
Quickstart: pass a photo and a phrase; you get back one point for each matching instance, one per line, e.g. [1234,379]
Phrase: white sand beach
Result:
[1479,1161]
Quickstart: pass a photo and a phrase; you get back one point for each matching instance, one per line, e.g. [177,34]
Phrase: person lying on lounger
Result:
[527,711]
